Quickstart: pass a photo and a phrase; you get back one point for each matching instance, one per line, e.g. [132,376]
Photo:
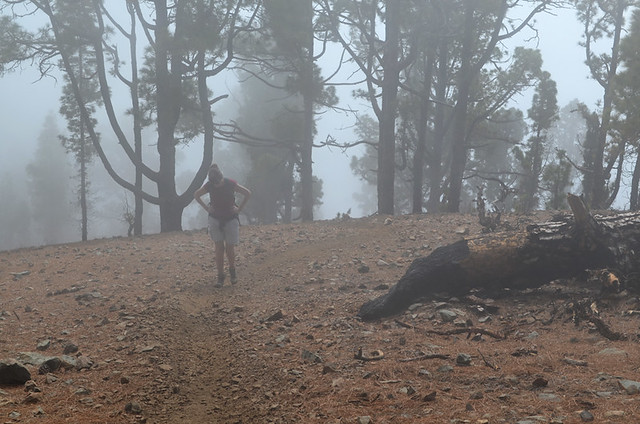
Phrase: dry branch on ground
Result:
[562,248]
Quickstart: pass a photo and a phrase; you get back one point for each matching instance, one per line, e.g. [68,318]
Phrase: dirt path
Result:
[232,382]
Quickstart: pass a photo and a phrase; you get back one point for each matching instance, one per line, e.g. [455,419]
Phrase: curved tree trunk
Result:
[137,123]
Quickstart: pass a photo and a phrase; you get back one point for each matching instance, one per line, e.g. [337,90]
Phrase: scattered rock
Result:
[540,382]
[328,369]
[13,373]
[407,390]
[44,345]
[363,269]
[586,416]
[524,352]
[69,348]
[463,359]
[311,357]
[283,338]
[414,306]
[31,358]
[337,382]
[72,289]
[536,419]
[81,362]
[614,414]
[477,337]
[33,397]
[445,369]
[429,397]
[50,365]
[424,373]
[476,395]
[88,297]
[82,391]
[549,397]
[447,315]
[148,348]
[133,408]
[462,231]
[31,386]
[629,386]
[277,316]
[613,351]
[17,275]
[575,362]
[459,322]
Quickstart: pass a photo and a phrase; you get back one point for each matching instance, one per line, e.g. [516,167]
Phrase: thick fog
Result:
[29,113]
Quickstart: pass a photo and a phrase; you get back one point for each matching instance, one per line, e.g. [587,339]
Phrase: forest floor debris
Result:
[284,345]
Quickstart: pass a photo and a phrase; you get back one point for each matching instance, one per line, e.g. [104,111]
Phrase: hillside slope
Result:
[162,345]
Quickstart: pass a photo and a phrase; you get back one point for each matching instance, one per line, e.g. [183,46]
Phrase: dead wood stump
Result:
[561,248]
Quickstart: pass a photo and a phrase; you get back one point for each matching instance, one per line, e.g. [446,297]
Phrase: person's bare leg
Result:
[231,256]
[220,261]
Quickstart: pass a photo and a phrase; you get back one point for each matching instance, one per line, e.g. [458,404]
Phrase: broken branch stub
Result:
[546,251]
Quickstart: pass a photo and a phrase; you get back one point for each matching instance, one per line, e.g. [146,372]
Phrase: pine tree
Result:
[543,113]
[82,59]
[48,181]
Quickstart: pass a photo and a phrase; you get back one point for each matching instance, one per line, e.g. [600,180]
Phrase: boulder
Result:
[13,373]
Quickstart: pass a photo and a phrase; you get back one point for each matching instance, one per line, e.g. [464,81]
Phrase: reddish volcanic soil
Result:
[160,344]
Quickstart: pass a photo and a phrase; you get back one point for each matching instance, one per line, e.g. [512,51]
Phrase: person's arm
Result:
[198,196]
[246,193]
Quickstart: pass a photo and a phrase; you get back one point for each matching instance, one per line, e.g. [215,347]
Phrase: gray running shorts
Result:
[230,233]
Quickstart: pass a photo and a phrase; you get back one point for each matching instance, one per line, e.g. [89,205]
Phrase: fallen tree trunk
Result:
[561,248]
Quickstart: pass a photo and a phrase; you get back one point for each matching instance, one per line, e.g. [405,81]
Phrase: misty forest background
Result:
[145,108]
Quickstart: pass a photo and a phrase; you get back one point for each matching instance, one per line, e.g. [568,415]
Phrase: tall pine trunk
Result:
[306,167]
[459,135]
[84,226]
[168,99]
[137,124]
[390,83]
[419,155]
[597,196]
[439,128]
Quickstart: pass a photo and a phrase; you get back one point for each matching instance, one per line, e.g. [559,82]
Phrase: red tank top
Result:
[222,198]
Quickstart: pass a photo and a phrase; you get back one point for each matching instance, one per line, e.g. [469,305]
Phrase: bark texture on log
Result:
[561,248]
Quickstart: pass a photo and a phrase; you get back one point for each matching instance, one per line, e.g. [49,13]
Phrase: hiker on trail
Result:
[224,224]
